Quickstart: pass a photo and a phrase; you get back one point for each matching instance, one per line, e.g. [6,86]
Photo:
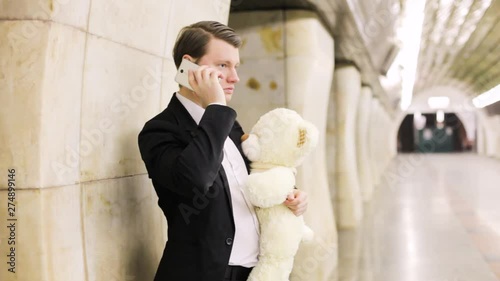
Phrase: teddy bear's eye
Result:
[302,138]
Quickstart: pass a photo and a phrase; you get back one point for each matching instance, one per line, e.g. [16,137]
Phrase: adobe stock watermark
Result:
[120,108]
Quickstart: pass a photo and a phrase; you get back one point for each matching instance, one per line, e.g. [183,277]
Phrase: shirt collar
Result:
[194,110]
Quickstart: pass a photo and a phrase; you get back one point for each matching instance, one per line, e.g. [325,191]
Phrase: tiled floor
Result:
[434,218]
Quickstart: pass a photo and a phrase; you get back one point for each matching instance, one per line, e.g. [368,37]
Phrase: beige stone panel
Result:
[168,84]
[48,235]
[347,87]
[261,89]
[121,92]
[123,234]
[185,12]
[70,12]
[22,64]
[62,233]
[61,103]
[362,120]
[141,24]
[263,40]
[41,116]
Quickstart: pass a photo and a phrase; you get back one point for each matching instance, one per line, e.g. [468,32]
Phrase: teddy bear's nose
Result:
[244,137]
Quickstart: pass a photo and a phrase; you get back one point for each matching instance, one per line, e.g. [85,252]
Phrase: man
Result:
[192,151]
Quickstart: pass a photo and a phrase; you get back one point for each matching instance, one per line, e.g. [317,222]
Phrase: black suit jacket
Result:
[184,161]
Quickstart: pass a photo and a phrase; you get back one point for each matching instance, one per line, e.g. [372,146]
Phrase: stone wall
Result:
[78,80]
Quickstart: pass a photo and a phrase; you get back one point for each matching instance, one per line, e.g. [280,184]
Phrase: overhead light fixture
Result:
[487,98]
[440,116]
[438,102]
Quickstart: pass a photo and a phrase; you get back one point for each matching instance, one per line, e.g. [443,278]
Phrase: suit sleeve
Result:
[180,168]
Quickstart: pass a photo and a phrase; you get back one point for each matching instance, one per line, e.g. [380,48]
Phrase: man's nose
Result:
[233,76]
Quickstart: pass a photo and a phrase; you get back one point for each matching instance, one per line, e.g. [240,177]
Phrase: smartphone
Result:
[182,73]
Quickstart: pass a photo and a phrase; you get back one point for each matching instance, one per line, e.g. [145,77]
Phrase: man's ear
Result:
[189,58]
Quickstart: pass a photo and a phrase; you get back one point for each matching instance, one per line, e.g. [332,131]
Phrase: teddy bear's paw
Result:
[251,147]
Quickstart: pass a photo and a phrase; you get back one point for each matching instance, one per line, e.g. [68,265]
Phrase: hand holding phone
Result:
[203,81]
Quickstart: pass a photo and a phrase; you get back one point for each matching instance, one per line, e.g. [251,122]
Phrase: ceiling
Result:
[460,47]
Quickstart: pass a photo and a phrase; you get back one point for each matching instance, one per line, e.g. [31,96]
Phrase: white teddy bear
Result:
[276,145]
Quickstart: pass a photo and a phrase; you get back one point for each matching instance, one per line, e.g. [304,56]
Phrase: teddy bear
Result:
[276,146]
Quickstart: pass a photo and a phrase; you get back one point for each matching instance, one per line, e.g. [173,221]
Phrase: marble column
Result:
[331,144]
[496,124]
[385,130]
[493,136]
[77,84]
[490,135]
[347,87]
[481,138]
[374,146]
[309,73]
[280,67]
[484,133]
[393,145]
[362,126]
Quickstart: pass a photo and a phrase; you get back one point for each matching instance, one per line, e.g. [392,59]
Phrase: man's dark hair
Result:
[193,39]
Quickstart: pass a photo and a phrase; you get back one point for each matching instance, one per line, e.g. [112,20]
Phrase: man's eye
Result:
[223,65]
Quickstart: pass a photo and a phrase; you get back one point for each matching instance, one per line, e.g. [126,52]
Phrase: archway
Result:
[426,134]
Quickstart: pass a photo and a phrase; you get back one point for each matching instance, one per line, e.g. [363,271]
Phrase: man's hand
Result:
[205,83]
[297,202]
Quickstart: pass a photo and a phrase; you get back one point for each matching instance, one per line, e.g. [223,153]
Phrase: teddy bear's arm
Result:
[270,188]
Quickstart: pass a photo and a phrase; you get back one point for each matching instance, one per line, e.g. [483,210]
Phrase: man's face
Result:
[225,58]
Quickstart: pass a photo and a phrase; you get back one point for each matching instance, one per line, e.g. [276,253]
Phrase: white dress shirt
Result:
[246,240]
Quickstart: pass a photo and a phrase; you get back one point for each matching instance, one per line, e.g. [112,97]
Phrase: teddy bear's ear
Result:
[251,147]
[307,135]
[302,137]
